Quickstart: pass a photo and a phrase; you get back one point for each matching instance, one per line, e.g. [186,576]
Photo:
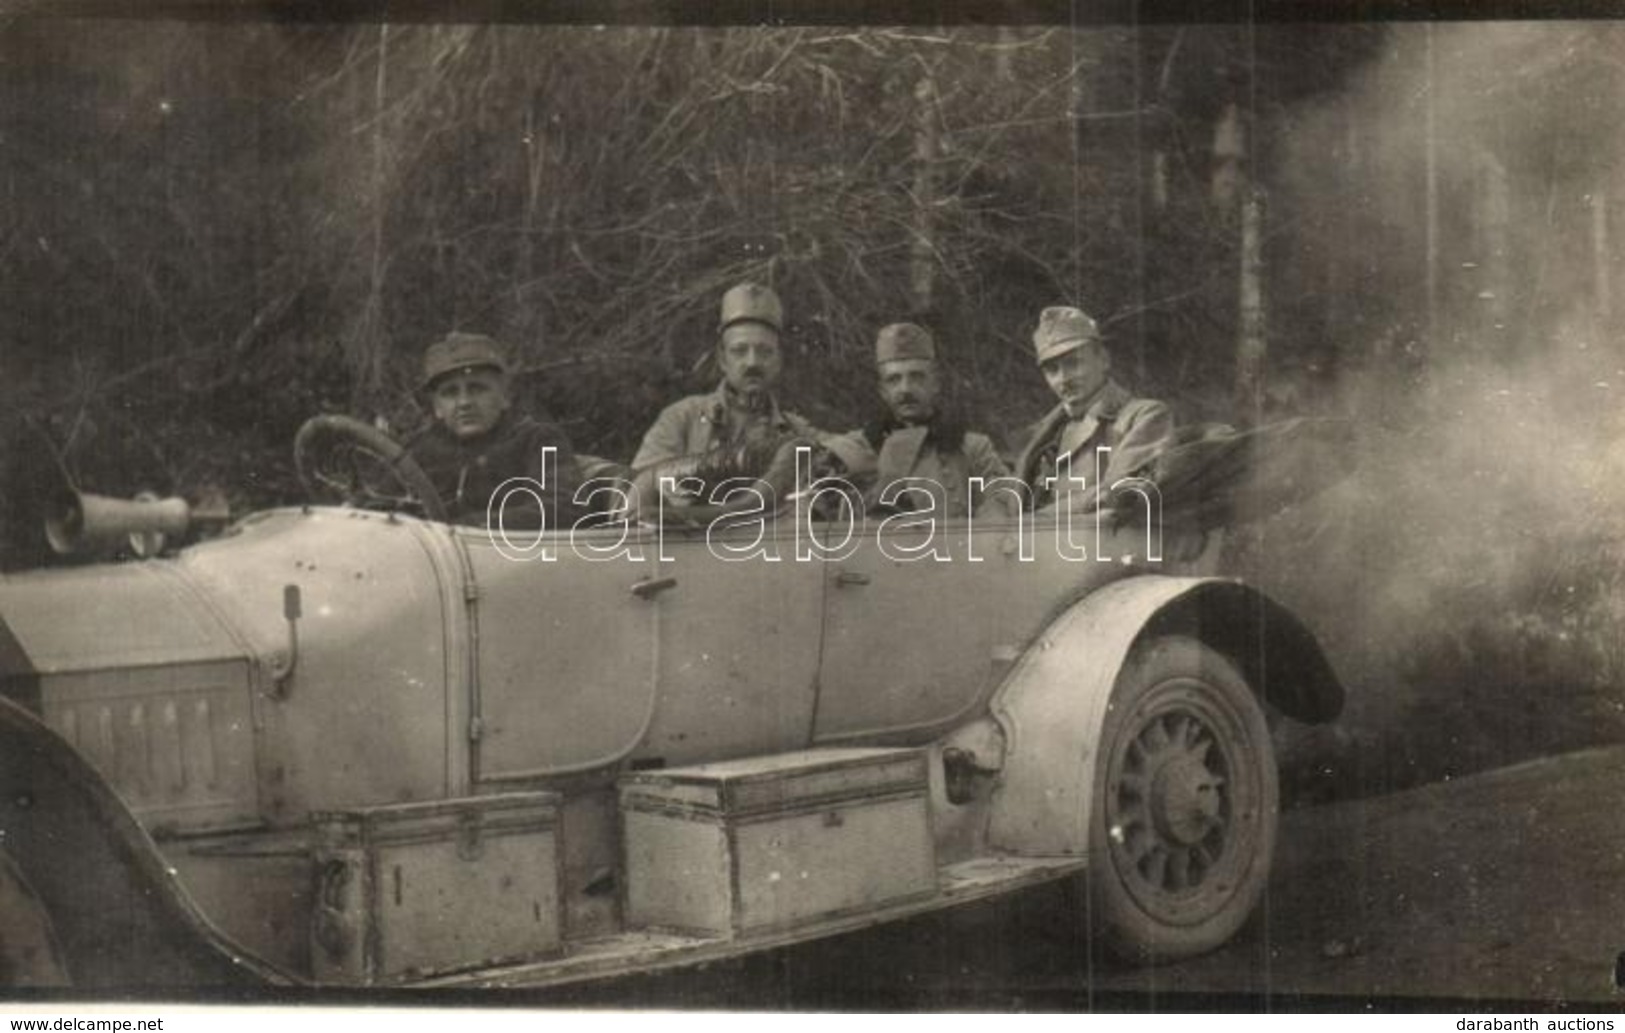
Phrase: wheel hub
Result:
[1185,799]
[1172,806]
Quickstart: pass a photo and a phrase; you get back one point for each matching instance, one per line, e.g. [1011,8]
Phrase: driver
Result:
[477,441]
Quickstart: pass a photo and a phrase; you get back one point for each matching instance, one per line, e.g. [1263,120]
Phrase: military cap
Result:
[1061,329]
[457,352]
[903,341]
[751,302]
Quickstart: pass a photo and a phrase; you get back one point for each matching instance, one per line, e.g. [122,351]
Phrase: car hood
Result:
[104,616]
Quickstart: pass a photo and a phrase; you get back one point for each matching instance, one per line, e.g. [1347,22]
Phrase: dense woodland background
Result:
[214,230]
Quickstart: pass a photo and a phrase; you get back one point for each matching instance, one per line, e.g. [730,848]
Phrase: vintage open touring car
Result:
[339,744]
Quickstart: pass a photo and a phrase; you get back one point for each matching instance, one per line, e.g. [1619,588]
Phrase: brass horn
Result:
[84,524]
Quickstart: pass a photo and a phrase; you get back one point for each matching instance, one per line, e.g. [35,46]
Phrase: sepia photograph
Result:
[812,507]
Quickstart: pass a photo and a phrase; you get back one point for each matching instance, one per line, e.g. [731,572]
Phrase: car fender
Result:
[77,863]
[1052,705]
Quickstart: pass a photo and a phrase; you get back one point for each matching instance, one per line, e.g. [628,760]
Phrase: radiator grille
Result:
[177,743]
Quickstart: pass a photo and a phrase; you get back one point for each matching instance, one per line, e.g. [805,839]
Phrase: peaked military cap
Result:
[751,302]
[903,341]
[1061,329]
[457,352]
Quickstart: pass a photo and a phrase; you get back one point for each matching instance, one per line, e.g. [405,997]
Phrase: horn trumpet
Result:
[84,524]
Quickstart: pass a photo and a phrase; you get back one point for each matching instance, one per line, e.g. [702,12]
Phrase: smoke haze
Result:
[1467,577]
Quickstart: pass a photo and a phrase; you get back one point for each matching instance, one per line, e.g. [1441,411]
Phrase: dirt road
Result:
[1503,886]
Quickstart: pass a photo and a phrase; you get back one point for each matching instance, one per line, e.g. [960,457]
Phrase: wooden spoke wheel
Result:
[1185,801]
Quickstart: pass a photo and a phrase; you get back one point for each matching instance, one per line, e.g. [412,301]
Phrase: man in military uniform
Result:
[1095,412]
[917,440]
[737,429]
[477,441]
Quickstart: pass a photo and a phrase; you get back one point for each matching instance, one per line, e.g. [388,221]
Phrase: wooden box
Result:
[409,890]
[774,842]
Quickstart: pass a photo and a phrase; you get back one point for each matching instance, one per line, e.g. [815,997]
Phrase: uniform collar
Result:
[1105,404]
[725,399]
[945,429]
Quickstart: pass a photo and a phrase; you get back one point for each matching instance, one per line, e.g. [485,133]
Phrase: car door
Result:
[565,643]
[738,623]
[922,622]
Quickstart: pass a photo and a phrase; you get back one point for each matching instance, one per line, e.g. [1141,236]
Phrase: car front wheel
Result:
[1185,804]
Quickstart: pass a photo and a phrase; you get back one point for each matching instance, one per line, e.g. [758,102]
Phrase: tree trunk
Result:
[1154,173]
[1430,201]
[1165,100]
[1495,222]
[1003,55]
[1081,100]
[1339,245]
[1601,263]
[1229,154]
[922,250]
[366,347]
[1159,179]
[1252,346]
[536,158]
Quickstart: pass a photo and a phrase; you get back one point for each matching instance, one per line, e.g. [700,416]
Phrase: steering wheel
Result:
[356,464]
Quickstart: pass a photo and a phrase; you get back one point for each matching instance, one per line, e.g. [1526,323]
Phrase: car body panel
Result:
[1053,709]
[133,668]
[737,650]
[79,618]
[1053,705]
[177,740]
[424,662]
[914,646]
[565,679]
[120,916]
[361,716]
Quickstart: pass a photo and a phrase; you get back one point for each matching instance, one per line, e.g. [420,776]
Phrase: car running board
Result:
[646,951]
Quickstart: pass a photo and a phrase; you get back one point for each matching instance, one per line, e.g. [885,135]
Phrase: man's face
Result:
[749,356]
[909,387]
[1076,375]
[470,403]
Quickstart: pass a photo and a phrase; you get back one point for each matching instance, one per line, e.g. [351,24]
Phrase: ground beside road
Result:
[1503,886]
